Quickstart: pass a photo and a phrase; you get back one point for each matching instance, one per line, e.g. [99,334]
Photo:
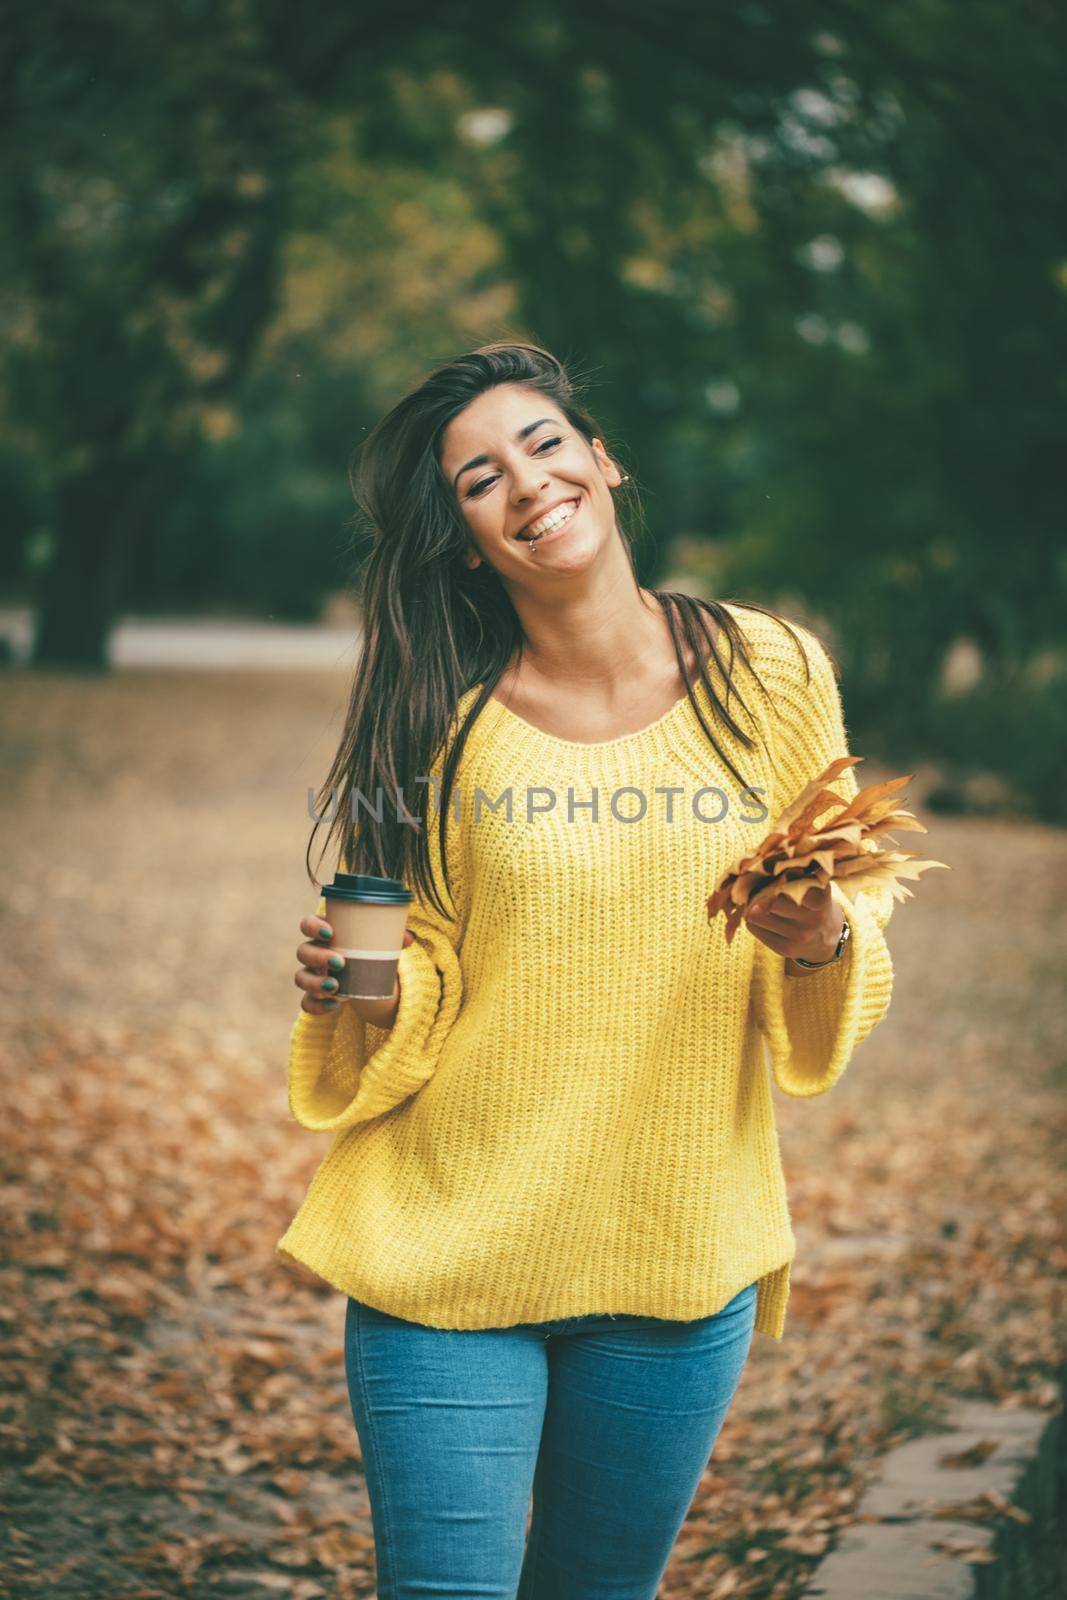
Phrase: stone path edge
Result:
[897,1549]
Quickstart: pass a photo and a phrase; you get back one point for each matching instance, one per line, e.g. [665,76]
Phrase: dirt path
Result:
[175,1421]
[207,643]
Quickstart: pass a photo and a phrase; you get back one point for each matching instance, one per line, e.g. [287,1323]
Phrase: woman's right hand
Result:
[320,968]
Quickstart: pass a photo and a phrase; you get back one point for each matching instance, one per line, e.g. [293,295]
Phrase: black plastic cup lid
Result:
[369,890]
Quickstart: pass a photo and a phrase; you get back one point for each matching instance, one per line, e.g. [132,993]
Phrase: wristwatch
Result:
[813,966]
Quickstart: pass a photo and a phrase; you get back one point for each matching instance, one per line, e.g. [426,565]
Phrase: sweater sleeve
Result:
[813,1023]
[343,1070]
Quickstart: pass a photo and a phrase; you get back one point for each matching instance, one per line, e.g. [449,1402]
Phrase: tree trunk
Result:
[81,588]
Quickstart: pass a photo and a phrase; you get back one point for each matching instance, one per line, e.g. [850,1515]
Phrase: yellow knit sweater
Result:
[572,1112]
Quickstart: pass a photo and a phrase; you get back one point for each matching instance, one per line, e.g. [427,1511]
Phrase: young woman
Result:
[553,1198]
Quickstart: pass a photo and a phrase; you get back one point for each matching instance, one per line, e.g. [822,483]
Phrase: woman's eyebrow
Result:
[480,461]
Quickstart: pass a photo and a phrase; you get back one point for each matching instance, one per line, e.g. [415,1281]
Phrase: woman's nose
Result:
[527,482]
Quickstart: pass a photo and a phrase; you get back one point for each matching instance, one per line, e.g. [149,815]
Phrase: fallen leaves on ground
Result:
[174,1419]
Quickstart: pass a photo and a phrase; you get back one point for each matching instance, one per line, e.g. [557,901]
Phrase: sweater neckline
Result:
[676,727]
[542,736]
[675,730]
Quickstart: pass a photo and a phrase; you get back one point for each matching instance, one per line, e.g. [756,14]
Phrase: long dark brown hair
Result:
[434,627]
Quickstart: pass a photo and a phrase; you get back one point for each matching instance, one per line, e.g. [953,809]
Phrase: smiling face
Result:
[512,458]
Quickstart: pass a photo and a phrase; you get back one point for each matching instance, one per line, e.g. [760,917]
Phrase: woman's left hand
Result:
[809,929]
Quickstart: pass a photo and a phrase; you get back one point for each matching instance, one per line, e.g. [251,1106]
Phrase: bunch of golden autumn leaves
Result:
[801,851]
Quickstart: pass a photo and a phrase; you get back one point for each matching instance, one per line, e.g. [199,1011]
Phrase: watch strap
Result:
[813,966]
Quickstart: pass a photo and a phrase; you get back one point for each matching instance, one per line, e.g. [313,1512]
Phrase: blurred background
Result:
[812,259]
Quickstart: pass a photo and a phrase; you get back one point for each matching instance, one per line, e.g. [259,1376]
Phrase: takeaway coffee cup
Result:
[368,917]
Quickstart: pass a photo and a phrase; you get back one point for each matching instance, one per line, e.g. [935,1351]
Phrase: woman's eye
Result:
[483,483]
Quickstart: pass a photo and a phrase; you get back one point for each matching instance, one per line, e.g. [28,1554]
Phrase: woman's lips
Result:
[554,533]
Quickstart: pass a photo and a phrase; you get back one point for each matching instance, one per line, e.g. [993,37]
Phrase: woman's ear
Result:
[611,474]
[471,558]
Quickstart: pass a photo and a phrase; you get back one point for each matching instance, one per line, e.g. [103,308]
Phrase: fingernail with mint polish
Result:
[325,933]
[330,984]
[336,963]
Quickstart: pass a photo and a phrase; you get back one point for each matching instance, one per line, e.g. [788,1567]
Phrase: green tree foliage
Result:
[811,256]
[145,188]
[381,260]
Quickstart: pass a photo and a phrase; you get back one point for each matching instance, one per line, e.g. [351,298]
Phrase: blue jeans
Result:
[608,1421]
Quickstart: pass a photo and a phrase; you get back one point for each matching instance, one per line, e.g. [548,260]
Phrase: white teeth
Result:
[554,519]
